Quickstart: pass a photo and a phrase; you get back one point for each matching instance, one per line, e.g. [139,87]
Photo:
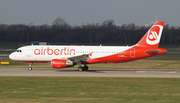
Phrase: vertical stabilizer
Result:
[153,36]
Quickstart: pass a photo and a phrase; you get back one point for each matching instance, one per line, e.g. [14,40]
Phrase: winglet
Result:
[153,36]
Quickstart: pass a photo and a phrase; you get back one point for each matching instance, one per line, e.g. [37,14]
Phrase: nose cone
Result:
[12,56]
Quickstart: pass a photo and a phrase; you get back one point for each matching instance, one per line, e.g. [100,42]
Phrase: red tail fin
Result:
[153,36]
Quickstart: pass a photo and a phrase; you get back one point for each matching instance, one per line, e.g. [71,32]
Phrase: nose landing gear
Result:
[30,66]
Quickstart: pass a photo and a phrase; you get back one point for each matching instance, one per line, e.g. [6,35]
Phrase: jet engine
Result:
[61,63]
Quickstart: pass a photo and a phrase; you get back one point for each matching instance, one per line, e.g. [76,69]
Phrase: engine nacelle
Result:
[60,63]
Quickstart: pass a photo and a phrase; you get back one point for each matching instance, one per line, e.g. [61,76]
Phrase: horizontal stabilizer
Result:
[153,51]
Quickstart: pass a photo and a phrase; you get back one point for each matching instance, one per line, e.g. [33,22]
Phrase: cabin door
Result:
[28,52]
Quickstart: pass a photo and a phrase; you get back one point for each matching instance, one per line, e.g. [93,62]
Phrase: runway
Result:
[91,73]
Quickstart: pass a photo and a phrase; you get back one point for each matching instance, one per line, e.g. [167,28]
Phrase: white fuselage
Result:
[47,53]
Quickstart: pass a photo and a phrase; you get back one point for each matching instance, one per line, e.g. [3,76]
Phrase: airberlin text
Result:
[49,51]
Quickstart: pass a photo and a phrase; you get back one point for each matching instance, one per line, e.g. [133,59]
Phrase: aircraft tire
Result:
[30,68]
[85,68]
[80,69]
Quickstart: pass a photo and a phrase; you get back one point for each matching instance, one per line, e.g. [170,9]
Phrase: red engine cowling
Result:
[60,63]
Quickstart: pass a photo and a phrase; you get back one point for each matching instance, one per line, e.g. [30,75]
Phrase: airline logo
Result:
[154,35]
[49,51]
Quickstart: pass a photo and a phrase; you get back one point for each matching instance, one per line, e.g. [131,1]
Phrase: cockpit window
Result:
[18,50]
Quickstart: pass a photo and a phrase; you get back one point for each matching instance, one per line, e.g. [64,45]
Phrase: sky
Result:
[76,12]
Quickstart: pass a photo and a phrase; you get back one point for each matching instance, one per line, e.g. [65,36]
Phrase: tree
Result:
[124,26]
[108,24]
[131,26]
[3,27]
[60,23]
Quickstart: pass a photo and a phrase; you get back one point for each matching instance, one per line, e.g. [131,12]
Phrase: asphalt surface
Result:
[91,73]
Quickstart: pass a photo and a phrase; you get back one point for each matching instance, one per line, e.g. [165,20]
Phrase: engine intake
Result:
[60,63]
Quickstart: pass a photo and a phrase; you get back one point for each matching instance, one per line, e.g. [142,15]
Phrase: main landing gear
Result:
[30,66]
[85,68]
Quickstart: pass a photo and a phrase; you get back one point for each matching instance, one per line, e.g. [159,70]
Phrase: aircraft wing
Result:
[78,58]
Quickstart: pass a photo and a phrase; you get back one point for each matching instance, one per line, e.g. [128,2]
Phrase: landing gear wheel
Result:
[80,69]
[85,68]
[30,68]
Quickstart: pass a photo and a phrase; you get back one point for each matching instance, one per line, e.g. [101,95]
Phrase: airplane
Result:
[67,56]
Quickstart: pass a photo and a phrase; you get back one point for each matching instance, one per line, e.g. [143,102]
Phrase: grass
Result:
[76,89]
[165,57]
[9,46]
[5,52]
[173,49]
